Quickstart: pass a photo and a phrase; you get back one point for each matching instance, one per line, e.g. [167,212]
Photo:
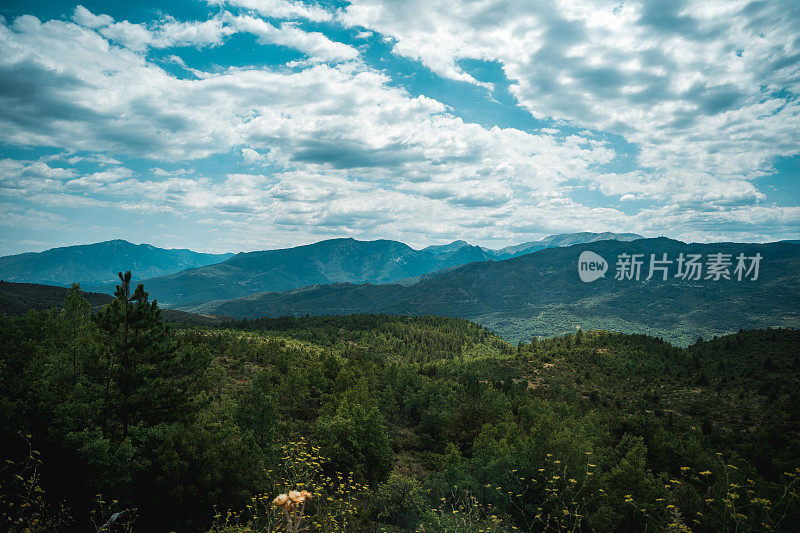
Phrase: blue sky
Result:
[254,124]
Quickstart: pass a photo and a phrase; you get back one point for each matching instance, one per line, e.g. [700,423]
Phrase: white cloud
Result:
[708,87]
[20,216]
[20,178]
[342,118]
[281,9]
[315,44]
[86,18]
[133,36]
[168,33]
[332,147]
[252,157]
[686,188]
[96,181]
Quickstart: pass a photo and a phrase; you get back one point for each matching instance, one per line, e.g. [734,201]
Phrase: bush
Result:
[400,501]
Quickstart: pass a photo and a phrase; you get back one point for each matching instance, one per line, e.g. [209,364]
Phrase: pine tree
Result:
[144,378]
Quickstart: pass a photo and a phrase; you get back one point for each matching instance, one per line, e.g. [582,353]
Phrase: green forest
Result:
[113,419]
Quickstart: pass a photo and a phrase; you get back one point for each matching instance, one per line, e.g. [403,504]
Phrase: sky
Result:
[235,125]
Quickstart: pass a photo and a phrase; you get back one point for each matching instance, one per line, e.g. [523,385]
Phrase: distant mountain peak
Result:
[446,248]
[95,265]
[541,294]
[589,236]
[563,239]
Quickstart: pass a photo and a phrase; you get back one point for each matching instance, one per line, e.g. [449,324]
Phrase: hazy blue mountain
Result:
[330,261]
[324,262]
[446,248]
[95,266]
[568,239]
[562,239]
[541,294]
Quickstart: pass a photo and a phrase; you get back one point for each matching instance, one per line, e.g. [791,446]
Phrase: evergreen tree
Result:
[144,378]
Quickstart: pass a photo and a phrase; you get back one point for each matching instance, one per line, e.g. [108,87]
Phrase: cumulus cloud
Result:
[252,157]
[96,181]
[342,118]
[281,9]
[86,18]
[168,33]
[316,45]
[344,140]
[688,189]
[709,87]
[329,146]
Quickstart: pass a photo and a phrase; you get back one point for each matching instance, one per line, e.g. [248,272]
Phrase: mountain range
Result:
[541,294]
[562,239]
[532,289]
[184,277]
[332,261]
[95,266]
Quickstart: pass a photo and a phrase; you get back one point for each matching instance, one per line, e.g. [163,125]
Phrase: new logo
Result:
[591,266]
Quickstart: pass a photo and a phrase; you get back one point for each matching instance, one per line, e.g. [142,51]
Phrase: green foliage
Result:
[331,500]
[355,437]
[453,428]
[400,501]
[141,375]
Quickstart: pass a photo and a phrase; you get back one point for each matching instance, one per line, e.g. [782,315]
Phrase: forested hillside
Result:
[541,294]
[336,261]
[19,298]
[330,261]
[399,423]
